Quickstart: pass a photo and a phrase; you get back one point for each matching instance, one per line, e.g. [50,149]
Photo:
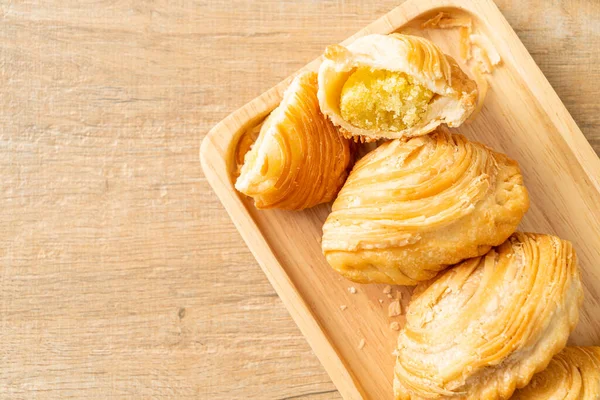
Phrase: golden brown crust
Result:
[299,159]
[573,374]
[412,55]
[484,327]
[409,209]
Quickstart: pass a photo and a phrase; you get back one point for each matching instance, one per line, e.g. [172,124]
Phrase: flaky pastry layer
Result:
[573,374]
[299,159]
[486,326]
[409,209]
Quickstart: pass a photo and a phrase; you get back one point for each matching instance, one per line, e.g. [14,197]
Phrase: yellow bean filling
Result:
[378,99]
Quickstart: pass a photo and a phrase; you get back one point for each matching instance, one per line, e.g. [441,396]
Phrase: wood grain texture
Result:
[121,275]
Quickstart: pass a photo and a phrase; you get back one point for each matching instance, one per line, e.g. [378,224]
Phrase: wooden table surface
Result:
[121,275]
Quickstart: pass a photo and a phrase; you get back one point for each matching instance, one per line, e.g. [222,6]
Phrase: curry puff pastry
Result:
[411,208]
[484,327]
[393,86]
[299,159]
[572,374]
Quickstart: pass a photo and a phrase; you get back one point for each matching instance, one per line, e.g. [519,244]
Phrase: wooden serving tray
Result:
[522,116]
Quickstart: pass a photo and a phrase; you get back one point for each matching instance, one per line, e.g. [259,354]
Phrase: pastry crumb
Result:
[387,289]
[395,352]
[487,55]
[395,326]
[352,289]
[433,22]
[361,344]
[343,307]
[389,295]
[446,21]
[394,309]
[380,301]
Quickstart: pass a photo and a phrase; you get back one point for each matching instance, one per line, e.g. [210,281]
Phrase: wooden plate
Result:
[522,116]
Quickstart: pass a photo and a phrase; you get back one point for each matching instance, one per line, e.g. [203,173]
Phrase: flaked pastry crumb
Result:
[361,344]
[394,309]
